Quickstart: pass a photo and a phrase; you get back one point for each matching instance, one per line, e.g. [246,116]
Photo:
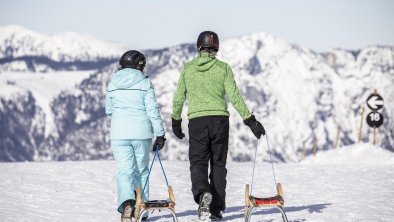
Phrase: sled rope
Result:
[272,163]
[254,165]
[150,169]
[162,168]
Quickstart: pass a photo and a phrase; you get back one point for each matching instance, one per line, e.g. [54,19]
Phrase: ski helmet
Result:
[208,40]
[133,59]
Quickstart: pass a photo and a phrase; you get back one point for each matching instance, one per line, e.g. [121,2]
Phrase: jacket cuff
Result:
[250,120]
[174,120]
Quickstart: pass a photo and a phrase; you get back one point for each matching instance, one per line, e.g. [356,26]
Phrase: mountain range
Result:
[301,96]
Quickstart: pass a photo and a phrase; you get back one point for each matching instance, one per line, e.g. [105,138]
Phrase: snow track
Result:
[85,191]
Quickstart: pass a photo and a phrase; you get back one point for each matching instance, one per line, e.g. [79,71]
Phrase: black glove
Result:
[159,143]
[177,128]
[255,126]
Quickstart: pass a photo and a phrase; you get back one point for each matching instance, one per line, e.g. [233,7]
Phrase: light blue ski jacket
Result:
[131,105]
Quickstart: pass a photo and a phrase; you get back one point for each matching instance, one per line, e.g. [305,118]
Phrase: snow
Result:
[45,87]
[353,154]
[345,184]
[67,46]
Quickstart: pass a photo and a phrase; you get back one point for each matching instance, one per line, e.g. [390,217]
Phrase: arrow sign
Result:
[375,102]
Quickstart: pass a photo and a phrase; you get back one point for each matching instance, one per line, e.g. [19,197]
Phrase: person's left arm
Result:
[153,112]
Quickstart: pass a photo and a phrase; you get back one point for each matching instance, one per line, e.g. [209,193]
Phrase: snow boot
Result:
[203,208]
[216,216]
[128,211]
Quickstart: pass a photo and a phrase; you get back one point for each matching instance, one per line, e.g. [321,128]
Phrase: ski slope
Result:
[322,188]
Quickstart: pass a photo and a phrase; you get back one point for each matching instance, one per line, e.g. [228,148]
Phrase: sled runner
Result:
[142,207]
[253,203]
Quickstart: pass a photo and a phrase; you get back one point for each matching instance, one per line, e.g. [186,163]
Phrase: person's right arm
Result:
[152,110]
[238,102]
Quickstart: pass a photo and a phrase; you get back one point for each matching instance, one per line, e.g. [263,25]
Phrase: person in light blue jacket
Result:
[135,119]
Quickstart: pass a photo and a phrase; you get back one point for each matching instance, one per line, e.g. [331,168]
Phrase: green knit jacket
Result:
[205,81]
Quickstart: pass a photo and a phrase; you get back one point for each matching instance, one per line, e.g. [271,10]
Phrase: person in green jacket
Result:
[205,81]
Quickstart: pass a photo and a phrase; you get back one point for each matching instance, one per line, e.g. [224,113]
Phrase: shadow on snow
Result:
[239,210]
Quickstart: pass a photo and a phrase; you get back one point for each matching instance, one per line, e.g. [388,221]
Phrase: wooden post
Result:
[314,146]
[337,139]
[304,151]
[374,136]
[361,125]
[374,129]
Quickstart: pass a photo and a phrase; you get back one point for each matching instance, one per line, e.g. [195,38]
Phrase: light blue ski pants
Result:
[132,159]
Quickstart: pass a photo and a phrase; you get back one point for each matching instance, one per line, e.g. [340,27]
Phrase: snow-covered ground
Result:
[321,188]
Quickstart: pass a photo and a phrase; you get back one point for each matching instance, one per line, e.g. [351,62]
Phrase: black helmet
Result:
[208,40]
[132,59]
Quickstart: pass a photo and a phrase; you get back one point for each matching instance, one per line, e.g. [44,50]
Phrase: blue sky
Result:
[147,24]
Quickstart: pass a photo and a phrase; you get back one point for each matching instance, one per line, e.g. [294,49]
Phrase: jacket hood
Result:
[205,62]
[126,78]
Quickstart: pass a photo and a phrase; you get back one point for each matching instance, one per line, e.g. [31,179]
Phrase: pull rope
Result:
[162,168]
[272,163]
[150,169]
[254,165]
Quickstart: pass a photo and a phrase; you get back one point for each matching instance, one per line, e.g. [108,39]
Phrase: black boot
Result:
[203,207]
[216,215]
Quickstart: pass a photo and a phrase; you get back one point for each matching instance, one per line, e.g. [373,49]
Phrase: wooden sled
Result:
[253,203]
[142,207]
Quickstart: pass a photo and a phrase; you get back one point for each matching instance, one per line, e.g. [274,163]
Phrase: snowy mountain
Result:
[299,95]
[24,50]
[324,190]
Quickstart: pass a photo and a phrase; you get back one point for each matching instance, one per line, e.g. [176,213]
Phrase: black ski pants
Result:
[208,144]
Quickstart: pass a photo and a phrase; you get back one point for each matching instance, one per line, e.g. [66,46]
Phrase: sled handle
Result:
[162,168]
[254,164]
[150,169]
